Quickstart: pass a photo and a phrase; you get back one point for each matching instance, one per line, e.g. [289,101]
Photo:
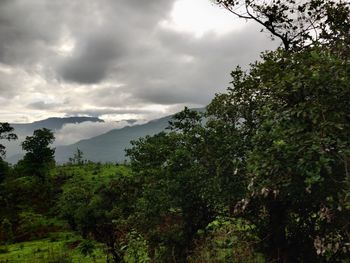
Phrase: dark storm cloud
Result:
[123,29]
[112,56]
[92,60]
[140,13]
[191,70]
[27,28]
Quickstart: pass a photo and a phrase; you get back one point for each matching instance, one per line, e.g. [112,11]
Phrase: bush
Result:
[87,247]
[34,226]
[227,240]
[136,249]
[6,231]
[4,250]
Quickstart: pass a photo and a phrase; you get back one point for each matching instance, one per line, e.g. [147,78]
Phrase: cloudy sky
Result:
[117,59]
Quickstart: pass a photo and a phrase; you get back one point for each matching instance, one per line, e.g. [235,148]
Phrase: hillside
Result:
[109,147]
[50,123]
[13,148]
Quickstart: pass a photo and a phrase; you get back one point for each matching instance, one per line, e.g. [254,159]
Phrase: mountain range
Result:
[110,146]
[13,148]
[50,123]
[106,147]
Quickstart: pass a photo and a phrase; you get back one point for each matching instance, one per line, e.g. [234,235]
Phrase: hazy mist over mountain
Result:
[99,140]
[60,126]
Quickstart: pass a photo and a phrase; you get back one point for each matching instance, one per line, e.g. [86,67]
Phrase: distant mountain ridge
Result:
[54,123]
[22,130]
[110,146]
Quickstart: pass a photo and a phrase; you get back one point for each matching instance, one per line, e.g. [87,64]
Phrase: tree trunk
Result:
[277,243]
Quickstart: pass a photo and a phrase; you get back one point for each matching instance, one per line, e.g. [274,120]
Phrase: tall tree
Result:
[6,133]
[177,185]
[289,117]
[77,158]
[39,157]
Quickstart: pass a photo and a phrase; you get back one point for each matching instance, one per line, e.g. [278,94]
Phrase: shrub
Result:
[136,249]
[33,226]
[227,240]
[6,231]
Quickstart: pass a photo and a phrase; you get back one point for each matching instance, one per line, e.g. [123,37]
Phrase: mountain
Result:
[50,123]
[110,146]
[22,130]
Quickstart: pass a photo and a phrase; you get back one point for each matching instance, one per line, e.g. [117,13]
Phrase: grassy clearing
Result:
[62,247]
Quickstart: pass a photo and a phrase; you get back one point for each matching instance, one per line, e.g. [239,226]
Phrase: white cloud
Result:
[119,59]
[73,132]
[200,17]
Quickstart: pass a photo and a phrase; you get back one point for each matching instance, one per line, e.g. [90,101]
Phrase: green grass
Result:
[59,248]
[62,246]
[95,173]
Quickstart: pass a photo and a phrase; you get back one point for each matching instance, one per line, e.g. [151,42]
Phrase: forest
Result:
[262,175]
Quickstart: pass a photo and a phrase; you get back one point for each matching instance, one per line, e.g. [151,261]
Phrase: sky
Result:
[118,59]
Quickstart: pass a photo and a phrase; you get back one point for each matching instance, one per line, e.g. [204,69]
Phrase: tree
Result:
[39,157]
[6,231]
[74,198]
[102,213]
[289,117]
[77,157]
[289,120]
[296,23]
[179,192]
[6,133]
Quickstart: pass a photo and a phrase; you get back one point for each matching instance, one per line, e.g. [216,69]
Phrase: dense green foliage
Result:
[261,176]
[291,116]
[66,207]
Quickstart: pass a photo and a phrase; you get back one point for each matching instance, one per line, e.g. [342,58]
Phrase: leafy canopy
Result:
[296,23]
[39,157]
